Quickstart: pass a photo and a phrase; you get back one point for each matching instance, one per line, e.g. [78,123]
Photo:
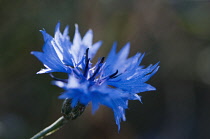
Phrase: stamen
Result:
[87,60]
[102,60]
[86,54]
[98,68]
[86,67]
[113,75]
[58,79]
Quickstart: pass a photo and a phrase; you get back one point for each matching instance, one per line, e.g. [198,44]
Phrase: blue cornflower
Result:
[111,82]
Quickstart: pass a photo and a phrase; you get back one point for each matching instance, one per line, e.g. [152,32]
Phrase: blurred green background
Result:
[174,32]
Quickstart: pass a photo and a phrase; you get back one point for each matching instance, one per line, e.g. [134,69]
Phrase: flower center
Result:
[91,74]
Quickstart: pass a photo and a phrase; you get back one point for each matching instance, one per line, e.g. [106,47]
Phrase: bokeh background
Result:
[174,32]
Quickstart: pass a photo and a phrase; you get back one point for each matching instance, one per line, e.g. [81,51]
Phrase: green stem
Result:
[68,112]
[51,129]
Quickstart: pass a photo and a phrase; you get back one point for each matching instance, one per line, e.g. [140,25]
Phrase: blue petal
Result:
[46,36]
[116,61]
[77,49]
[62,44]
[93,50]
[49,57]
[87,39]
[53,64]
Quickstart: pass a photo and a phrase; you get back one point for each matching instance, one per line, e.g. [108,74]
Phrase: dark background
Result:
[174,32]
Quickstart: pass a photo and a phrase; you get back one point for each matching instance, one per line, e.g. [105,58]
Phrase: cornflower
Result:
[112,81]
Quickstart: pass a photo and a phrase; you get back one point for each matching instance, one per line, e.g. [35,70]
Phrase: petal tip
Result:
[76,27]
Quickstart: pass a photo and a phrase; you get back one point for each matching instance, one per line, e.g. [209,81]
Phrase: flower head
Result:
[110,82]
